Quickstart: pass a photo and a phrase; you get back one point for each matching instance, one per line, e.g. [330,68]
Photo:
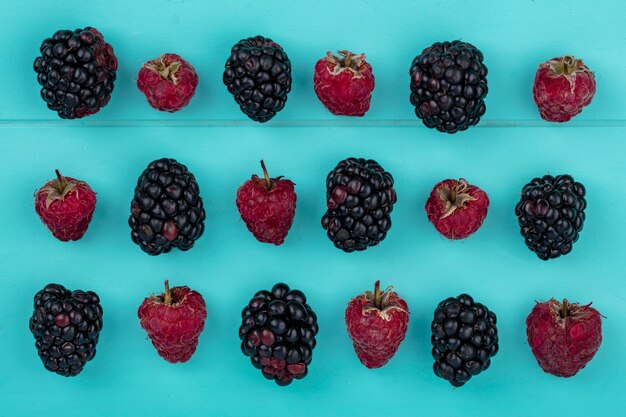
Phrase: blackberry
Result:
[464,339]
[277,332]
[551,214]
[449,85]
[167,209]
[66,325]
[359,197]
[76,71]
[258,74]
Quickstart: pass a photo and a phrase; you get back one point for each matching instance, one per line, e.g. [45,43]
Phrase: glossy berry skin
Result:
[344,84]
[66,205]
[267,206]
[464,339]
[449,86]
[377,322]
[563,337]
[66,326]
[551,214]
[258,75]
[563,86]
[174,321]
[168,82]
[76,71]
[277,332]
[456,208]
[166,211]
[360,198]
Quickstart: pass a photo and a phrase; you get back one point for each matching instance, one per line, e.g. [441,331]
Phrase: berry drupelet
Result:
[66,325]
[76,71]
[277,332]
[167,210]
[258,75]
[360,198]
[551,214]
[449,86]
[464,339]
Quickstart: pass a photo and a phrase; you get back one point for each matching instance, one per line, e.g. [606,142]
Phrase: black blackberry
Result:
[76,71]
[258,74]
[551,214]
[464,339]
[449,85]
[277,332]
[360,197]
[167,209]
[66,325]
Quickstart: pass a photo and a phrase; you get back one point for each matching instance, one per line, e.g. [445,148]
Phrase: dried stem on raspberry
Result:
[377,303]
[61,182]
[455,197]
[168,294]
[564,309]
[268,181]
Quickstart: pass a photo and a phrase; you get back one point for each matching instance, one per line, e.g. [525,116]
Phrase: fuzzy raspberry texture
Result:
[267,206]
[377,322]
[456,208]
[169,82]
[563,86]
[174,321]
[66,205]
[563,337]
[344,84]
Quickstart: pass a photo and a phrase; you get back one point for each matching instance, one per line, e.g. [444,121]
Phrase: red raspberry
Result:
[456,208]
[563,86]
[169,82]
[267,206]
[66,206]
[563,337]
[174,321]
[344,85]
[377,323]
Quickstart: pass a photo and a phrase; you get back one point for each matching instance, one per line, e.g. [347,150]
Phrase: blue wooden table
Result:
[222,147]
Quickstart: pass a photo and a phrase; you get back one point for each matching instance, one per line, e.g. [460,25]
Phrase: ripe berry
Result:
[456,208]
[564,337]
[169,82]
[344,84]
[377,322]
[267,206]
[66,205]
[563,86]
[174,321]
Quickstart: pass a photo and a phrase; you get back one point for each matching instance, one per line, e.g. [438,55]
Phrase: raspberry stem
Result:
[268,181]
[564,309]
[168,293]
[62,182]
[377,294]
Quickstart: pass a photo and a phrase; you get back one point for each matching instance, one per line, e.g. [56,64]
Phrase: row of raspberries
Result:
[168,212]
[77,69]
[279,328]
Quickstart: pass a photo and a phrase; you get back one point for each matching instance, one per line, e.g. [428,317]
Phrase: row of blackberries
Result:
[278,331]
[167,210]
[77,71]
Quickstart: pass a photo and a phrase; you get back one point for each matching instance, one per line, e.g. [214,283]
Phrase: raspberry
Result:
[563,86]
[169,82]
[377,323]
[66,205]
[456,208]
[344,84]
[563,337]
[174,321]
[267,206]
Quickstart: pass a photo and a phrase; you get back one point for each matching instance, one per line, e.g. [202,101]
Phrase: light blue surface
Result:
[109,150]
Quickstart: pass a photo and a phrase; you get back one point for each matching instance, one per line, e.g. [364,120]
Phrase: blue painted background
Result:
[109,150]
